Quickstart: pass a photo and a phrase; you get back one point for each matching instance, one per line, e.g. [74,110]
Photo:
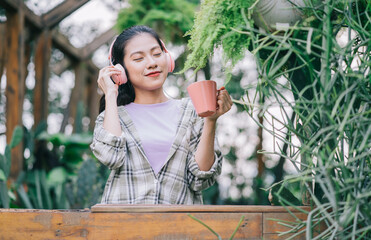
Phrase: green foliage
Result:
[5,163]
[86,189]
[331,85]
[213,27]
[172,18]
[333,112]
[69,149]
[72,179]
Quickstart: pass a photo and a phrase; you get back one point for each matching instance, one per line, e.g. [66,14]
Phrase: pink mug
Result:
[203,95]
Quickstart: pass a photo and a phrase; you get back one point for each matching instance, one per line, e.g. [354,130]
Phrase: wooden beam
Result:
[30,17]
[57,14]
[61,66]
[62,43]
[143,208]
[104,38]
[42,73]
[15,84]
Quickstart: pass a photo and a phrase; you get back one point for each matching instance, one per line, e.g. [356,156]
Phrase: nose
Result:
[151,62]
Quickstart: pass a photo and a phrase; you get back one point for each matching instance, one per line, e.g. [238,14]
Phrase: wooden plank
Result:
[274,223]
[57,14]
[15,84]
[42,73]
[272,236]
[104,38]
[191,208]
[272,226]
[85,225]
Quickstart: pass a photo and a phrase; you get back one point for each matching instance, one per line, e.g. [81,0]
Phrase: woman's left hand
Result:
[224,104]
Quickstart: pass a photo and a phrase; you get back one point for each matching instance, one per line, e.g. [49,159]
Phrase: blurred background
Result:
[66,43]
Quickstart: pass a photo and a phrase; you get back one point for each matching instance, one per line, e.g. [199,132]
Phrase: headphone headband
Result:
[110,51]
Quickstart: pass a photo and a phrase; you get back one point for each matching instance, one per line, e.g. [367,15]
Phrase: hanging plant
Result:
[219,23]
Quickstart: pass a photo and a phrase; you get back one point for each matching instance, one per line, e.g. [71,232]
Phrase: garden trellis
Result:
[24,35]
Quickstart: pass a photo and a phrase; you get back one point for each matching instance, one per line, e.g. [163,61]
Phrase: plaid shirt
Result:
[132,179]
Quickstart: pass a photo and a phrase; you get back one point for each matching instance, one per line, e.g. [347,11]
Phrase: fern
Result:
[171,18]
[213,28]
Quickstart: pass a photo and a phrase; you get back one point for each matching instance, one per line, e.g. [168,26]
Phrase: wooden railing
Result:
[147,222]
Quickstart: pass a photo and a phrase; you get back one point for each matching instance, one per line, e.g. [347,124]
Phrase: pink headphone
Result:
[122,78]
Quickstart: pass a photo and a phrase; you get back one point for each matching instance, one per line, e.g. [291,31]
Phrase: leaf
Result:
[45,190]
[16,137]
[2,162]
[57,139]
[24,197]
[279,64]
[57,176]
[4,195]
[2,175]
[280,193]
[41,127]
[205,225]
[7,161]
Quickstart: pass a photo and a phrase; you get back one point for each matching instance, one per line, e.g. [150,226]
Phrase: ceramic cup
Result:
[203,95]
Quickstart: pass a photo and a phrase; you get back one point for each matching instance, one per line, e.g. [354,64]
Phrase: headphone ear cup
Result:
[120,78]
[170,62]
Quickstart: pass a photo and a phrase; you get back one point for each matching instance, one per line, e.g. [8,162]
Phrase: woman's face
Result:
[145,62]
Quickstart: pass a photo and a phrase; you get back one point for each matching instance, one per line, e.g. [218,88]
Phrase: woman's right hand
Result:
[105,82]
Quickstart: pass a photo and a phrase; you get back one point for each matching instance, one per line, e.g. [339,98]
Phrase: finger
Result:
[227,96]
[224,105]
[110,69]
[224,96]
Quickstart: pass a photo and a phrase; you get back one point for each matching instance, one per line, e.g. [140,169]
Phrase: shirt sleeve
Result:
[108,148]
[197,179]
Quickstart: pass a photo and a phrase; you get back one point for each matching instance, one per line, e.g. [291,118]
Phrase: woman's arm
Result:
[204,155]
[111,119]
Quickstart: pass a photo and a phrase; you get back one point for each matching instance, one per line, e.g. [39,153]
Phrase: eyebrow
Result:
[142,51]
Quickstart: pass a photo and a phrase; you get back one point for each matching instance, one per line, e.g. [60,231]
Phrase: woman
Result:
[158,150]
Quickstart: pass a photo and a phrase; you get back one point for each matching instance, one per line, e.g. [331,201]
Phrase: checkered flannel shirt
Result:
[132,179]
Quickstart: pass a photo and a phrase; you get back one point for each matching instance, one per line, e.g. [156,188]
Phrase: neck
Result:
[151,97]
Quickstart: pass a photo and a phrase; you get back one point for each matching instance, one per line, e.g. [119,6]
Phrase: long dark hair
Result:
[126,92]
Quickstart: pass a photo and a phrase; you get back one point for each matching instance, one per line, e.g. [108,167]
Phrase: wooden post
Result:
[93,100]
[78,96]
[3,49]
[42,73]
[15,84]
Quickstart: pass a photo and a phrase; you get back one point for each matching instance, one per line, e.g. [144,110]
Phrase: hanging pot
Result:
[272,15]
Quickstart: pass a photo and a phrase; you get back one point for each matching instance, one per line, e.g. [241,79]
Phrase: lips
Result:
[153,74]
